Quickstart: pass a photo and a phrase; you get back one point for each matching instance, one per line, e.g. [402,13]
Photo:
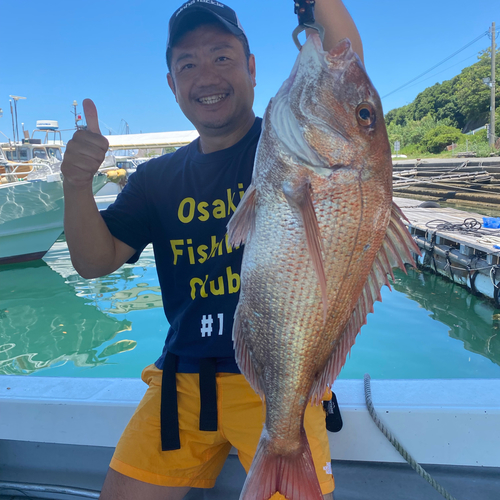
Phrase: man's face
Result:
[212,81]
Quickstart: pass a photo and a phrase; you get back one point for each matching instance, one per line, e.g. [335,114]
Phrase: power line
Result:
[442,71]
[438,64]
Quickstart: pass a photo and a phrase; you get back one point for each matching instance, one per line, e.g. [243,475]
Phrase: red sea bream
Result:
[321,234]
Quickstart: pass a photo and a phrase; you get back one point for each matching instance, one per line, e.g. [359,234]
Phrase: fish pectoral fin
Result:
[396,249]
[300,199]
[242,223]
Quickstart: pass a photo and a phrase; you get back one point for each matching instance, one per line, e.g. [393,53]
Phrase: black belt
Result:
[169,411]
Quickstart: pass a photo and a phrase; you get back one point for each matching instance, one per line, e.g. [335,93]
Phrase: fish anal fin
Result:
[242,223]
[300,199]
[396,250]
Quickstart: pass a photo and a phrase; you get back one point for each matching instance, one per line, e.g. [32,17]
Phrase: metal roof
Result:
[152,140]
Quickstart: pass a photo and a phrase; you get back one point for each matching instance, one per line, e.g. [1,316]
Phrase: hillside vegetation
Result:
[443,113]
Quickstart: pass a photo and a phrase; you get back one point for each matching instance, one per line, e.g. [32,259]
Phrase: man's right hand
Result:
[85,151]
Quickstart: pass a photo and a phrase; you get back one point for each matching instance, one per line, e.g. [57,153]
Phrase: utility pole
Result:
[492,108]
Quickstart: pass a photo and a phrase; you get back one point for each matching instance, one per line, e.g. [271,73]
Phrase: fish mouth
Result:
[343,50]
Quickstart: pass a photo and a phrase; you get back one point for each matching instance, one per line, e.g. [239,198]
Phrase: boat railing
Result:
[12,171]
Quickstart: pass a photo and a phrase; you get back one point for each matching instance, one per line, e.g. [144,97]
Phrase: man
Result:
[198,404]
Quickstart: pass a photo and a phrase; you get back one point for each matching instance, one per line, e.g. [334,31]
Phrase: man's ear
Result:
[252,69]
[171,84]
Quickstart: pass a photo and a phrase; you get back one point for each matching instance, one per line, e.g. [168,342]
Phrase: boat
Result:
[31,195]
[57,436]
[118,169]
[31,215]
[34,148]
[119,166]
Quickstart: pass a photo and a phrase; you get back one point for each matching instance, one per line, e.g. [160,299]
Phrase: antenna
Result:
[16,132]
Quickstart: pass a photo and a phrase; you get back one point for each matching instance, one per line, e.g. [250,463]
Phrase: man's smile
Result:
[212,99]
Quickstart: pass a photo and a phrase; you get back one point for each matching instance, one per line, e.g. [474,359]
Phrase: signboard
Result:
[397,146]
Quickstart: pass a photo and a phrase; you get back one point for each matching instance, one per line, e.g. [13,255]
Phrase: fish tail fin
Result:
[292,475]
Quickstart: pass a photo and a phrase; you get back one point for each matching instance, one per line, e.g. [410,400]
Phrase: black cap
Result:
[217,10]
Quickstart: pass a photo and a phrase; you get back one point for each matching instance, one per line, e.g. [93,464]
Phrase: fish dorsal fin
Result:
[396,249]
[242,223]
[300,198]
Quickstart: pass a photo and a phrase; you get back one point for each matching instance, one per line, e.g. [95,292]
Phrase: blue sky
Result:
[113,52]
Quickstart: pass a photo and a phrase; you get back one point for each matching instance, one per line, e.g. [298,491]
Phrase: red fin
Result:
[242,353]
[242,223]
[293,476]
[394,252]
[301,199]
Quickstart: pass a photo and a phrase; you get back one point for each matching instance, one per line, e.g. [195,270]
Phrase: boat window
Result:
[40,153]
[11,155]
[23,154]
[55,153]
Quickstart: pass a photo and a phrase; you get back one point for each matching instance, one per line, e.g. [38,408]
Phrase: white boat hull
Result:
[446,422]
[62,431]
[31,218]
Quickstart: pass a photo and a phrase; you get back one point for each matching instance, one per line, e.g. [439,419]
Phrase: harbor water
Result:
[55,323]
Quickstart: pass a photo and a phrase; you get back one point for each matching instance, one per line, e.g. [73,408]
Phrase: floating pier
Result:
[454,244]
[474,182]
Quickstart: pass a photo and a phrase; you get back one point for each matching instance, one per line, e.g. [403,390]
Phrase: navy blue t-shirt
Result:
[182,202]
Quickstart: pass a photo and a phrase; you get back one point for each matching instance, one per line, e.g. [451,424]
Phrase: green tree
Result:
[473,96]
[436,139]
[462,102]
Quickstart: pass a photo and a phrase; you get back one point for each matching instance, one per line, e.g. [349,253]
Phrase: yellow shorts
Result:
[202,454]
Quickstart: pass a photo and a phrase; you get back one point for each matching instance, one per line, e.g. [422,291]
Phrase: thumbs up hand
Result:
[85,151]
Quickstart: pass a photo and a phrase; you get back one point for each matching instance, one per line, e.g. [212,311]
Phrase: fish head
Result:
[333,113]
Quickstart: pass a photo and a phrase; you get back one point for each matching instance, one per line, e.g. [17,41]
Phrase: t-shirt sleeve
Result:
[128,217]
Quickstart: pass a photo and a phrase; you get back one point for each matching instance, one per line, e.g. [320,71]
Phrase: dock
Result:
[454,244]
[471,182]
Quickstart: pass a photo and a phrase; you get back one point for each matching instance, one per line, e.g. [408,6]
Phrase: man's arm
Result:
[94,250]
[338,24]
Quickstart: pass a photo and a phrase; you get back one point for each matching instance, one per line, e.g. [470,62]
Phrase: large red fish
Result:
[321,233]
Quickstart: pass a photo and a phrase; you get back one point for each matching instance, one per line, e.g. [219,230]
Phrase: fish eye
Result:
[365,114]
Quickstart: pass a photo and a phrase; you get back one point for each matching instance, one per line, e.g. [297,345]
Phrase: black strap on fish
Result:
[169,413]
[334,421]
[305,13]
